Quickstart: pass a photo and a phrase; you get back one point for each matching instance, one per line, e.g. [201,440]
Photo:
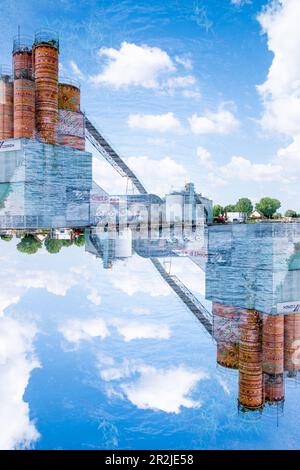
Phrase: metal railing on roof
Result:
[22,44]
[47,37]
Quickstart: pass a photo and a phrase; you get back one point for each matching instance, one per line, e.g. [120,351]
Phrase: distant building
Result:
[237,217]
[62,234]
[256,214]
[40,237]
[187,206]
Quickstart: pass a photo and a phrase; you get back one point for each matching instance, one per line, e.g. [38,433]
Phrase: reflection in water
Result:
[100,350]
[251,280]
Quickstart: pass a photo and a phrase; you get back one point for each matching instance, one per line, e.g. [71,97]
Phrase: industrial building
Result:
[33,103]
[45,173]
[44,185]
[189,206]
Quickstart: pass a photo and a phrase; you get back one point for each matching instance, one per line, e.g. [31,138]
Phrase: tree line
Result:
[30,245]
[267,206]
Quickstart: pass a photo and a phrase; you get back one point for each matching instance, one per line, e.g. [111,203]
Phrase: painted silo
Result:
[226,334]
[71,129]
[69,96]
[71,125]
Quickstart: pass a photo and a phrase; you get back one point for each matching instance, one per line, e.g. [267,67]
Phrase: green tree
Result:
[80,240]
[268,206]
[6,238]
[244,205]
[290,213]
[67,242]
[217,210]
[53,246]
[230,208]
[29,245]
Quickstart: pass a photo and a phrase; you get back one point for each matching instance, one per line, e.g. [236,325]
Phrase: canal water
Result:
[96,358]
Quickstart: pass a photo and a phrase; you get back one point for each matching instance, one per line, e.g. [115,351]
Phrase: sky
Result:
[186,90]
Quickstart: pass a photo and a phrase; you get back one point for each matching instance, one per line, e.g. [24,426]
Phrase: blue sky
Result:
[174,87]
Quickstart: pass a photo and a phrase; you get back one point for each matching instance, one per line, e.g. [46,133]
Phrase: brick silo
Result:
[45,60]
[250,361]
[70,120]
[273,357]
[292,344]
[6,104]
[24,89]
[226,334]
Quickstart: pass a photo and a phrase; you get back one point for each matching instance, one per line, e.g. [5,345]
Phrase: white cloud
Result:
[134,65]
[157,141]
[220,122]
[185,62]
[132,277]
[155,389]
[181,82]
[48,280]
[131,330]
[240,169]
[204,157]
[107,177]
[17,361]
[240,2]
[76,70]
[159,175]
[155,122]
[289,160]
[191,94]
[76,330]
[94,296]
[280,92]
[244,170]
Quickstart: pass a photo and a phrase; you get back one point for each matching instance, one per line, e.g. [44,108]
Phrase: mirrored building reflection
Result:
[49,200]
[253,281]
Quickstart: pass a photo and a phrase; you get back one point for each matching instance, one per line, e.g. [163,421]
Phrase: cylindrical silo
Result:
[226,334]
[22,58]
[6,104]
[250,361]
[69,96]
[273,344]
[273,357]
[292,344]
[228,354]
[45,57]
[123,243]
[24,89]
[174,208]
[71,129]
